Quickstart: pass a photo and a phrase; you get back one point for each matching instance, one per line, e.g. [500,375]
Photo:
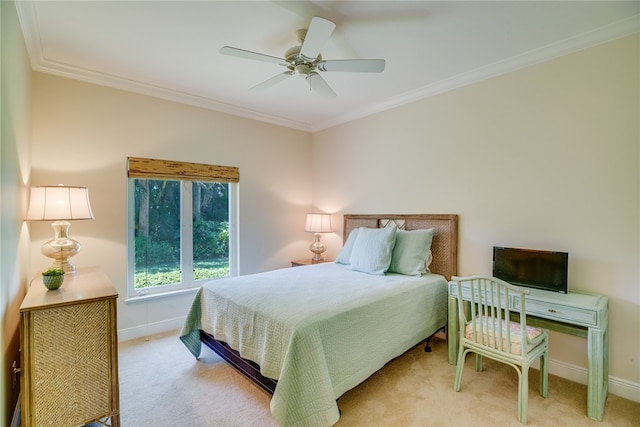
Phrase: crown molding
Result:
[134,86]
[29,23]
[31,34]
[616,30]
[30,30]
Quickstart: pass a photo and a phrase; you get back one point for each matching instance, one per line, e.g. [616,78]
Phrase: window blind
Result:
[168,169]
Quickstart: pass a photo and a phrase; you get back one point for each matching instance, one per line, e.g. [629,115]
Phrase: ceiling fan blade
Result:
[247,54]
[353,65]
[271,82]
[319,31]
[319,85]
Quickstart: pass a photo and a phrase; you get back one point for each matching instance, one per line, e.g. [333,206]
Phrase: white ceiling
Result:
[170,49]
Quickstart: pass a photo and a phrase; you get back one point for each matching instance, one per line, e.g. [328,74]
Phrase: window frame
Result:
[185,173]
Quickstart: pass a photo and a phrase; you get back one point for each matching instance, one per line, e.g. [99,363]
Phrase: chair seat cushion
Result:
[491,337]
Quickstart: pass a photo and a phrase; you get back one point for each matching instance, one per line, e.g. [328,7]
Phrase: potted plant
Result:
[53,278]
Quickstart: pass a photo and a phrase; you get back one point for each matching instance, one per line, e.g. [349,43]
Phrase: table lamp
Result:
[60,204]
[318,224]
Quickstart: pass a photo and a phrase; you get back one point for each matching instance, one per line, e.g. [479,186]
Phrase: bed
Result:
[309,334]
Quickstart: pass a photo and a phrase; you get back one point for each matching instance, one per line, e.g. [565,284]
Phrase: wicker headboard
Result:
[445,239]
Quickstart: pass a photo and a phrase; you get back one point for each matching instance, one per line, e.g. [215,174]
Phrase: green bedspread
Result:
[320,330]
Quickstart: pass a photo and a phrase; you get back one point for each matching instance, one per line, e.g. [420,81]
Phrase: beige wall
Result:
[82,135]
[15,158]
[546,157]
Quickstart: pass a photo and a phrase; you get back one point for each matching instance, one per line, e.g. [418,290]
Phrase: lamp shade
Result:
[318,223]
[59,203]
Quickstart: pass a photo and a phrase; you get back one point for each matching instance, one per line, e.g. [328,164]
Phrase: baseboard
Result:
[151,329]
[618,386]
[16,421]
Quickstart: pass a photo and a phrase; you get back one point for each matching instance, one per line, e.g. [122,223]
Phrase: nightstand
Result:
[70,352]
[308,261]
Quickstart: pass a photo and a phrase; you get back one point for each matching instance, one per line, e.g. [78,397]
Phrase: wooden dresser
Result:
[69,352]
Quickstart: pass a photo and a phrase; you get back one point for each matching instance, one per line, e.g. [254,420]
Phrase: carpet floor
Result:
[162,384]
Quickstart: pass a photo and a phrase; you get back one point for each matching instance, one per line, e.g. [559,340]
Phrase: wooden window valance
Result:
[168,169]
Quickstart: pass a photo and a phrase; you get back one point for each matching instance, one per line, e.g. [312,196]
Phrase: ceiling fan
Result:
[305,60]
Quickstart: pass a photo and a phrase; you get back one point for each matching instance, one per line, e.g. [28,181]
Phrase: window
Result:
[181,225]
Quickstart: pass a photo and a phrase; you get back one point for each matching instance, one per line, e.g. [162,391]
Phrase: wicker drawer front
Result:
[71,364]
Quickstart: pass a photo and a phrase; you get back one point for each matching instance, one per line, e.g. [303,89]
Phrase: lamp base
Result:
[61,248]
[317,248]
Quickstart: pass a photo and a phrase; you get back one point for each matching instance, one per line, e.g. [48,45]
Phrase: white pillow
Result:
[345,254]
[372,249]
[411,252]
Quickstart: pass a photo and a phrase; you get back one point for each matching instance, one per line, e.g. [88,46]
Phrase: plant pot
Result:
[53,282]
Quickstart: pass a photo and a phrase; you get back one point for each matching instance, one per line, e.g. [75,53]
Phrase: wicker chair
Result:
[487,330]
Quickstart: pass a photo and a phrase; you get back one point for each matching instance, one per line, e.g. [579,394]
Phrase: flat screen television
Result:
[546,270]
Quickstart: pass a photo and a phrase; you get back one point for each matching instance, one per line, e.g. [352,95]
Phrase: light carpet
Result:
[162,384]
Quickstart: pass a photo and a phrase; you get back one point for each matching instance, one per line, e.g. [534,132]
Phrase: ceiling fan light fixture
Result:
[302,70]
[306,60]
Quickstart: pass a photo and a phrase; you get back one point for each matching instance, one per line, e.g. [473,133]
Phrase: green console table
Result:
[577,313]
